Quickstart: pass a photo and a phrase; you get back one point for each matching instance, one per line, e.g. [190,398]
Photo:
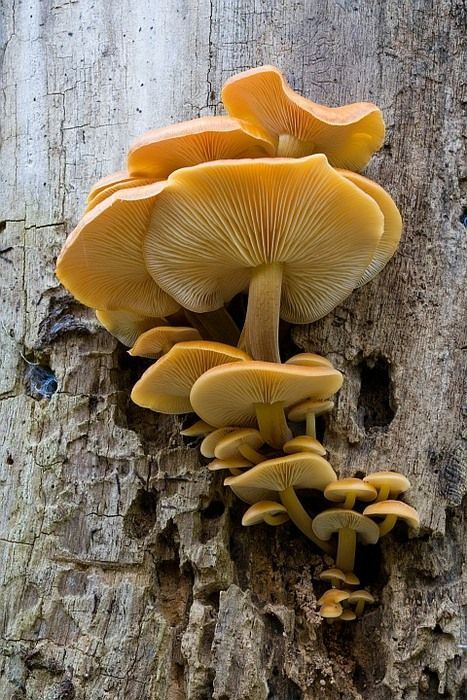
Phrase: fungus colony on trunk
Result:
[257,203]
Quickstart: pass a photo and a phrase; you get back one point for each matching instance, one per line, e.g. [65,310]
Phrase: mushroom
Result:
[113,183]
[234,464]
[304,443]
[158,341]
[159,152]
[297,127]
[297,234]
[285,474]
[347,491]
[258,394]
[307,411]
[268,512]
[388,484]
[309,359]
[197,429]
[360,597]
[338,577]
[347,615]
[330,603]
[241,443]
[348,524]
[392,511]
[165,386]
[209,443]
[126,326]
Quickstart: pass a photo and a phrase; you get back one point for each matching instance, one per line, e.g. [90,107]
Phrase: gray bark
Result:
[125,571]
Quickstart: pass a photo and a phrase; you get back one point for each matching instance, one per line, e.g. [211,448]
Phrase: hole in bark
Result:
[374,402]
[214,510]
[175,591]
[64,316]
[209,518]
[140,517]
[40,381]
[360,678]
[428,685]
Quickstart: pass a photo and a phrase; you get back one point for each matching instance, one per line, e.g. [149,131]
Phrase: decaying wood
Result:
[125,570]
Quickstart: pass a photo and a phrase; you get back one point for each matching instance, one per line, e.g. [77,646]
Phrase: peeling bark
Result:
[125,570]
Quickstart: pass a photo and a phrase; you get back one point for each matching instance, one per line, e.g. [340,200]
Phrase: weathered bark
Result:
[126,573]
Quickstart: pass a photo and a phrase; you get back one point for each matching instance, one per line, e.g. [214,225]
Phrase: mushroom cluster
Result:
[265,203]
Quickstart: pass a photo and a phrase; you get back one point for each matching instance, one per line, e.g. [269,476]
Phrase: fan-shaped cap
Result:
[161,151]
[392,483]
[197,429]
[356,488]
[309,359]
[126,326]
[215,225]
[274,513]
[113,183]
[338,575]
[392,224]
[268,107]
[160,339]
[225,397]
[304,443]
[229,445]
[299,412]
[231,463]
[102,262]
[301,471]
[360,595]
[334,519]
[165,386]
[347,615]
[398,509]
[333,596]
[209,443]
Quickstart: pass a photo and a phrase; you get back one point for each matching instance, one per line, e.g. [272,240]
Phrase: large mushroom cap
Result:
[392,224]
[334,519]
[226,396]
[301,471]
[165,386]
[126,326]
[161,151]
[261,98]
[102,262]
[213,225]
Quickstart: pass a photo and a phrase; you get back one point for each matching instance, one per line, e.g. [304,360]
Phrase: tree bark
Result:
[126,573]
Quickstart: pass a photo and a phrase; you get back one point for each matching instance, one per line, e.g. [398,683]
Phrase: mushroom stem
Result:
[289,146]
[311,425]
[301,519]
[272,423]
[250,454]
[383,494]
[261,329]
[387,524]
[359,608]
[218,325]
[349,501]
[346,549]
[275,520]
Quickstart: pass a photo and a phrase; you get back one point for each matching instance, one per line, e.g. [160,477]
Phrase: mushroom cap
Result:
[225,397]
[304,443]
[301,471]
[252,494]
[349,578]
[198,428]
[255,514]
[339,490]
[231,463]
[213,224]
[329,610]
[398,483]
[299,412]
[333,596]
[228,446]
[126,326]
[101,262]
[108,185]
[347,615]
[209,443]
[165,386]
[334,519]
[159,152]
[401,510]
[108,181]
[309,359]
[361,594]
[392,224]
[261,98]
[152,342]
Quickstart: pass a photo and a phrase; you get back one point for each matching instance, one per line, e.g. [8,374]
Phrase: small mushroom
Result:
[338,577]
[388,484]
[330,603]
[113,183]
[165,386]
[360,597]
[304,443]
[243,442]
[285,474]
[158,341]
[261,99]
[309,359]
[349,525]
[208,445]
[198,429]
[307,411]
[347,491]
[347,615]
[258,394]
[234,464]
[392,511]
[126,326]
[268,512]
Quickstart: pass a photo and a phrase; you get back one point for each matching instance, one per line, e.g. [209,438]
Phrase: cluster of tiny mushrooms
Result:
[264,201]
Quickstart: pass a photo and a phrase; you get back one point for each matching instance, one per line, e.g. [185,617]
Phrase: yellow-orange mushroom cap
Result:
[347,491]
[159,152]
[101,262]
[309,359]
[389,484]
[392,511]
[304,443]
[243,442]
[392,224]
[269,108]
[126,326]
[113,183]
[348,524]
[209,443]
[294,232]
[165,387]
[268,512]
[161,339]
[258,395]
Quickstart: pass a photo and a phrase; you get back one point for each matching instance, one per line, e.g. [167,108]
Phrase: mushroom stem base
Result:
[345,559]
[387,524]
[301,519]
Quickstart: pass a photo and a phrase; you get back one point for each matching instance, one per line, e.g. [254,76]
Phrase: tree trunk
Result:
[126,572]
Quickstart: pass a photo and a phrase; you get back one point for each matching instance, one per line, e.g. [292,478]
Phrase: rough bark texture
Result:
[125,570]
